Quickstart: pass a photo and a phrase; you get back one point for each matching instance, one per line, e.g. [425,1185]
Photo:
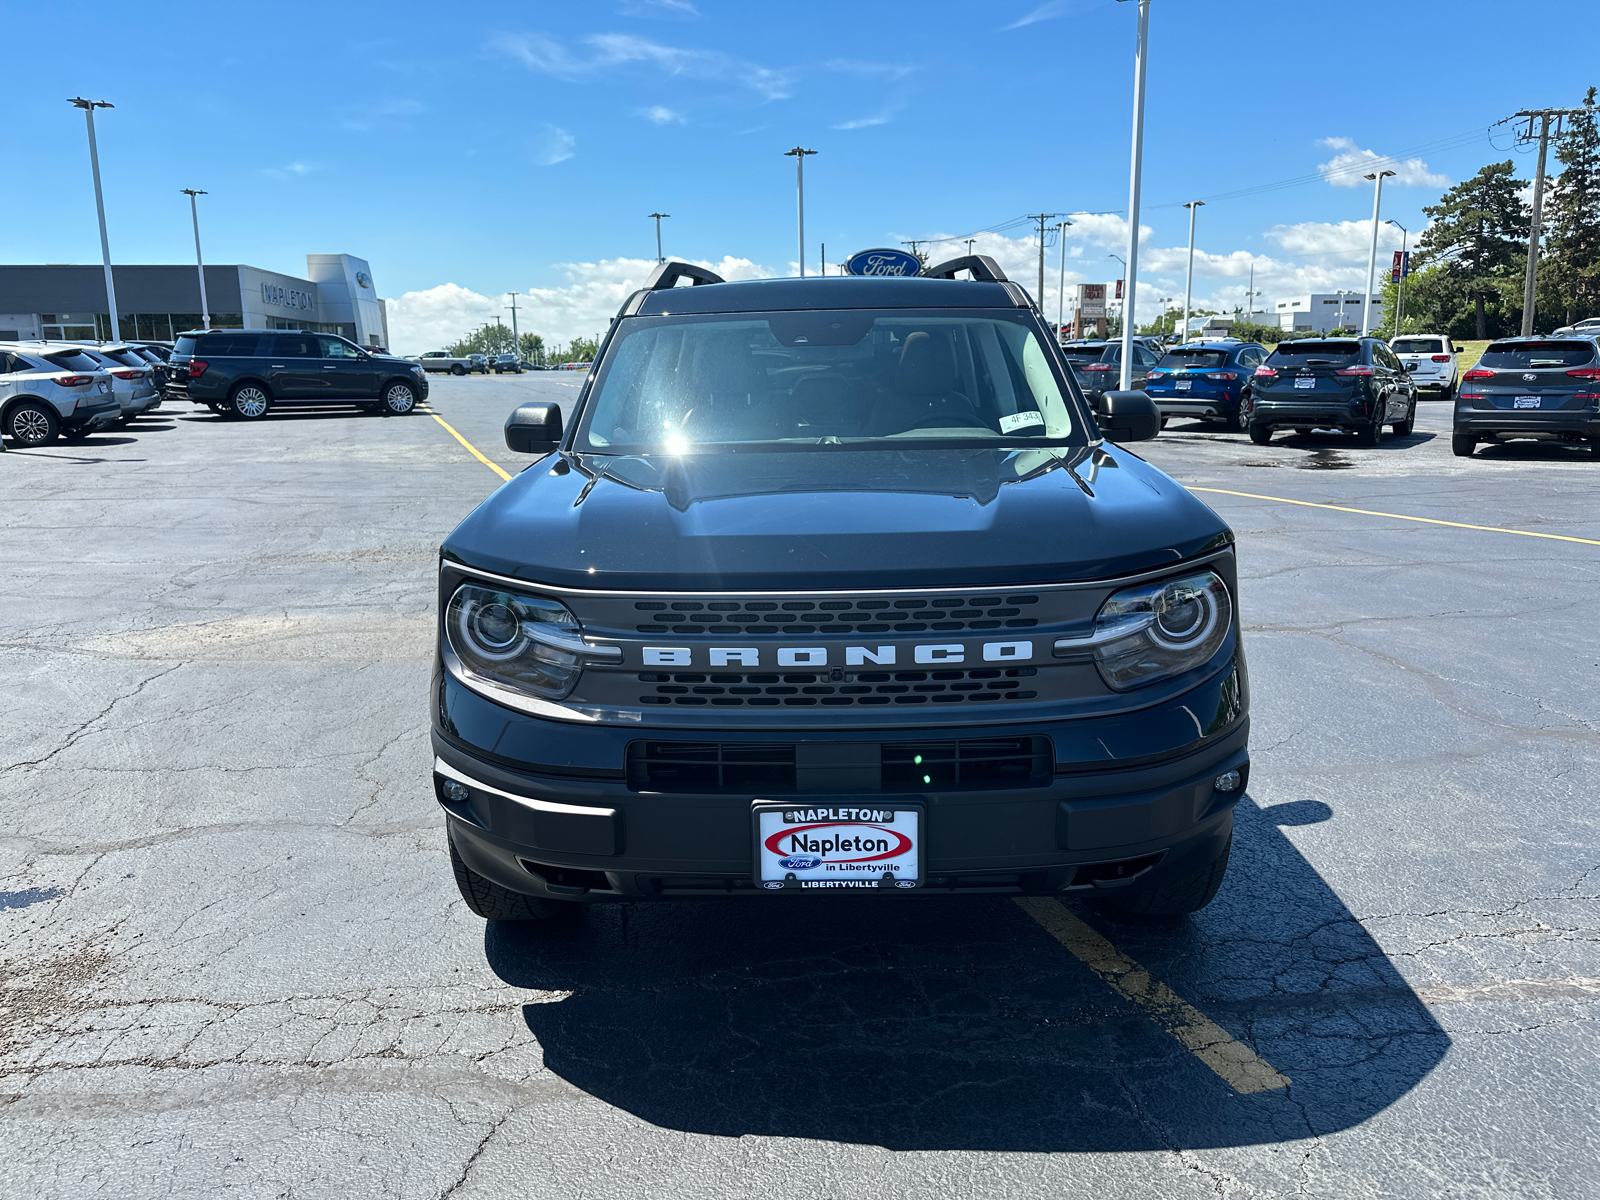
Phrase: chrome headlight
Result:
[1157,630]
[524,643]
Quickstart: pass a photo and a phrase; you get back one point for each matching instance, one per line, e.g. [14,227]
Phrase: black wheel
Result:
[1186,894]
[1260,434]
[1370,435]
[1239,420]
[1462,444]
[32,423]
[1594,447]
[494,903]
[1404,428]
[250,401]
[457,369]
[399,399]
[1448,393]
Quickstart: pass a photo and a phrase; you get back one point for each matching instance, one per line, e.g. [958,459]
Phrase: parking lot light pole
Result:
[1061,289]
[1131,287]
[799,156]
[516,337]
[88,107]
[1188,280]
[658,219]
[1372,259]
[199,263]
[1400,284]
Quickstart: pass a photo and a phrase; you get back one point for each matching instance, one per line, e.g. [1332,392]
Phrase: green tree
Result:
[1569,278]
[532,349]
[1473,252]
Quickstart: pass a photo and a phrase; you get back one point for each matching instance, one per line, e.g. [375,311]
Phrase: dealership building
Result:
[156,303]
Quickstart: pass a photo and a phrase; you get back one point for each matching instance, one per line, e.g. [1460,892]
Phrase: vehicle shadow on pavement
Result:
[945,1023]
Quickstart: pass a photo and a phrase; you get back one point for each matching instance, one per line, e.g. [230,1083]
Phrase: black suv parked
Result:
[1533,387]
[244,372]
[835,583]
[1336,383]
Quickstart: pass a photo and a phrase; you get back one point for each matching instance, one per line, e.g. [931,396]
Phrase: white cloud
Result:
[552,145]
[294,170]
[1052,8]
[540,52]
[434,317]
[671,10]
[857,66]
[660,115]
[1346,239]
[1350,164]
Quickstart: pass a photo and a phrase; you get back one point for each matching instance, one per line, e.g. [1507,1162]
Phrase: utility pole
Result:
[1372,259]
[88,107]
[516,338]
[1061,289]
[1545,117]
[1250,295]
[1188,280]
[916,244]
[799,156]
[658,218]
[1135,171]
[1400,283]
[1041,218]
[969,246]
[199,265]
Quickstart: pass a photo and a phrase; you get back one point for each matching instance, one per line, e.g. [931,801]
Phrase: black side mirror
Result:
[534,429]
[1129,417]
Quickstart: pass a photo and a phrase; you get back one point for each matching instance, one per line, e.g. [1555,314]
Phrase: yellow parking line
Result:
[1367,512]
[1239,1066]
[471,449]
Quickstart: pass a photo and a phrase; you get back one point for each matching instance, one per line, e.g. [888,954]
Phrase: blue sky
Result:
[471,151]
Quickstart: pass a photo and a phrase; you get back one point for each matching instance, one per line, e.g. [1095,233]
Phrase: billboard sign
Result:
[1091,300]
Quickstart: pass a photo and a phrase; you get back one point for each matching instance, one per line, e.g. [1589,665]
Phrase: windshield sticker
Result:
[1021,420]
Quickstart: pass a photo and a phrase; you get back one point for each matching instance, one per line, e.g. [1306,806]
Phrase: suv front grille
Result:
[862,688]
[916,614]
[771,768]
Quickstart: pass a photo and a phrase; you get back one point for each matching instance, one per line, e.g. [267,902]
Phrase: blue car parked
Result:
[1208,380]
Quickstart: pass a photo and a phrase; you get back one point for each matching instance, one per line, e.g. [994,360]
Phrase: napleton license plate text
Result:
[840,846]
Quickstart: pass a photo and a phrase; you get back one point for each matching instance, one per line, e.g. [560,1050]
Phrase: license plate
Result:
[1185,384]
[1525,402]
[1305,383]
[844,844]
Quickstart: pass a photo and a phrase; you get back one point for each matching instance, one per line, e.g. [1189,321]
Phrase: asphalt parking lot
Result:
[235,962]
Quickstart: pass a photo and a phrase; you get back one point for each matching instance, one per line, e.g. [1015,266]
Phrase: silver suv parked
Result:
[47,390]
[133,380]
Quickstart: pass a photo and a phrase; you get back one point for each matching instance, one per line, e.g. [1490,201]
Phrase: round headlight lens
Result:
[491,633]
[1167,628]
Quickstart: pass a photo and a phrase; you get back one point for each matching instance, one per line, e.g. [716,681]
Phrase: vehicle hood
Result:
[836,519]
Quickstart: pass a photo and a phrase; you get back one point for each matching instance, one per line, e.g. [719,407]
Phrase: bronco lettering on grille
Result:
[821,656]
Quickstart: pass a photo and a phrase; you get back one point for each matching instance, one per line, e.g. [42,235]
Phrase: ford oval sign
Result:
[799,862]
[364,279]
[882,262]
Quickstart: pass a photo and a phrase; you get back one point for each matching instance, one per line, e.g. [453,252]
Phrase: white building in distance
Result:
[1319,312]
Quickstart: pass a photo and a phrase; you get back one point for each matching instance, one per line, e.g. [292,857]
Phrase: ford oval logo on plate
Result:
[882,262]
[800,862]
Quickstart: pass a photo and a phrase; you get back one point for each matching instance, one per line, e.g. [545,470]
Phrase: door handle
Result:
[277,366]
[330,368]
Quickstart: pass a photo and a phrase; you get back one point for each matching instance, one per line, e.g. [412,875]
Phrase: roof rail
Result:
[668,273]
[981,265]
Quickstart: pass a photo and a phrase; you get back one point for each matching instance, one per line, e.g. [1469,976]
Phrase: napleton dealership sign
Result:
[287,297]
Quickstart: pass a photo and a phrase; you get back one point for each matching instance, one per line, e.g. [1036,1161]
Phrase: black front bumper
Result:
[1131,801]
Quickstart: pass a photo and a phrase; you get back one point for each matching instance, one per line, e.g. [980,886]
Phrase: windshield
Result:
[1511,356]
[1194,360]
[1310,353]
[1083,353]
[855,378]
[1417,346]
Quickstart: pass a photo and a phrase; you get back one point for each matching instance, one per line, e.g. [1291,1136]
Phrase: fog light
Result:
[1228,781]
[457,793]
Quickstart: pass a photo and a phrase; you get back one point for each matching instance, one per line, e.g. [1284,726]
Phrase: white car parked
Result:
[1431,359]
[133,380]
[47,390]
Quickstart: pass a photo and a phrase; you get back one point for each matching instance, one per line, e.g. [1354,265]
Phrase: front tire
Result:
[31,424]
[1463,444]
[492,902]
[1183,895]
[399,399]
[250,401]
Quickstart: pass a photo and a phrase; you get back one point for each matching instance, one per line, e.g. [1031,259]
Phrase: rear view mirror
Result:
[1129,417]
[534,429]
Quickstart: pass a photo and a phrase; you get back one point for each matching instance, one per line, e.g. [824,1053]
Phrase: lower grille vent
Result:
[863,689]
[778,768]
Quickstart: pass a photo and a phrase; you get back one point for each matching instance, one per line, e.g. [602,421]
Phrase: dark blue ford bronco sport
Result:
[837,583]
